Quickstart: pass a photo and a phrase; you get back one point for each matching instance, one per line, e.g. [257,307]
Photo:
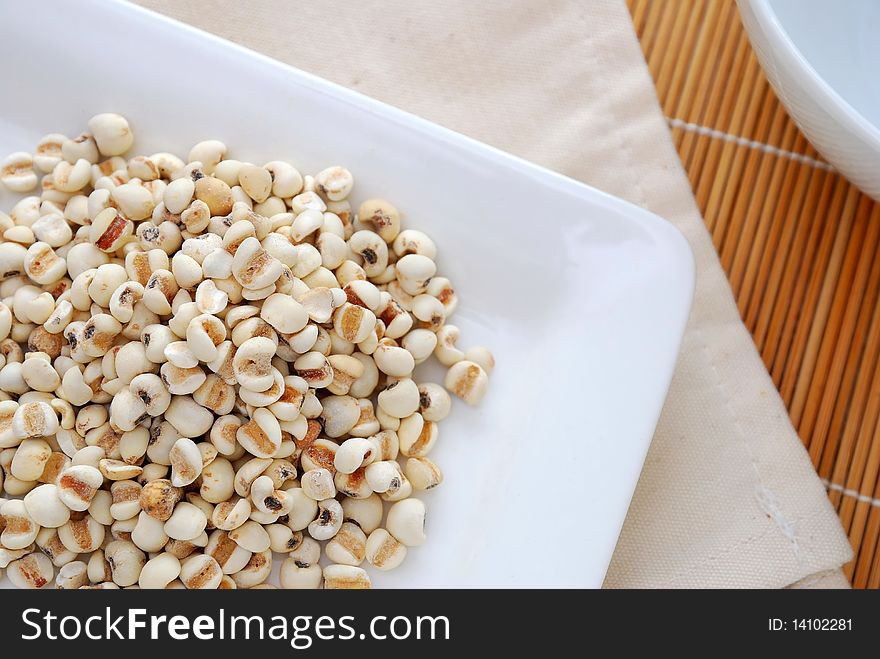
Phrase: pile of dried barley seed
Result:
[206,363]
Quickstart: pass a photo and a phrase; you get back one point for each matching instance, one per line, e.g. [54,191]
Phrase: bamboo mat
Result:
[798,243]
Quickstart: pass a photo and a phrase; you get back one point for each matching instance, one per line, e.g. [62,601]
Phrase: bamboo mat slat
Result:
[799,244]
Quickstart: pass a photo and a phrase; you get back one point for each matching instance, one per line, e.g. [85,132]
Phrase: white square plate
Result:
[582,297]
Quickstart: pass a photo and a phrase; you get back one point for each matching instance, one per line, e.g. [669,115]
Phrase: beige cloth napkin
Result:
[728,497]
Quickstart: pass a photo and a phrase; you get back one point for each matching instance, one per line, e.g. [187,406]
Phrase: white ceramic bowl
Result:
[821,58]
[582,297]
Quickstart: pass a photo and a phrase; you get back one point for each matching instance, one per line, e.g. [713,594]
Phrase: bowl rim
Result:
[843,110]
